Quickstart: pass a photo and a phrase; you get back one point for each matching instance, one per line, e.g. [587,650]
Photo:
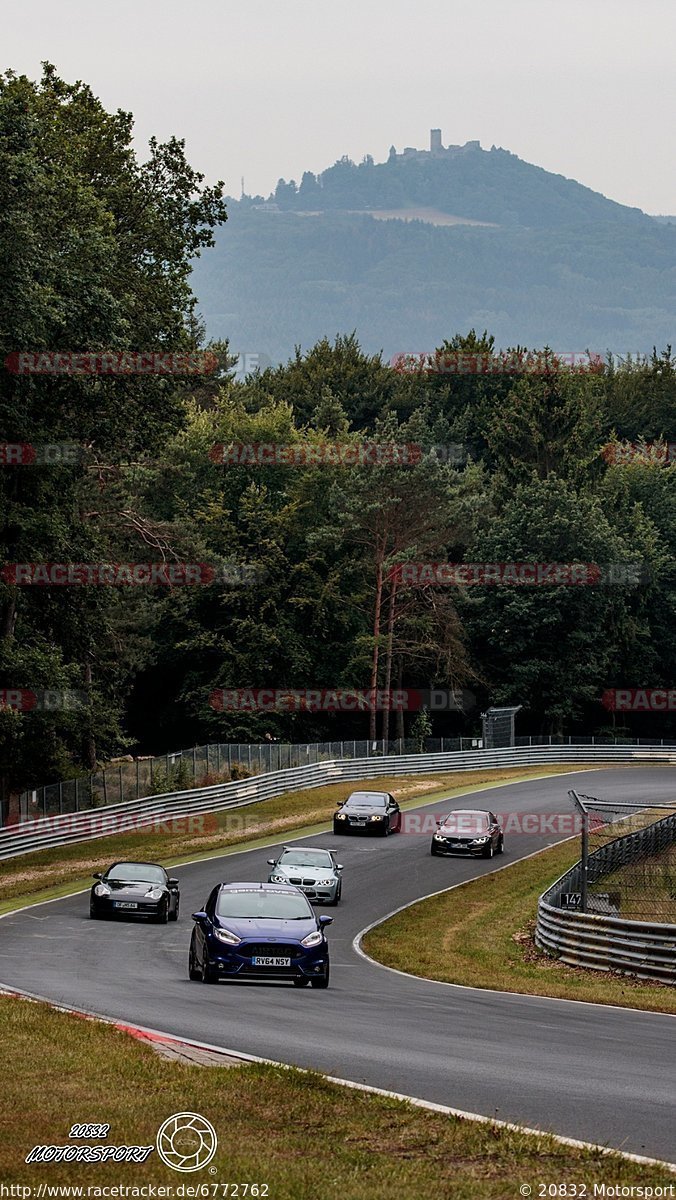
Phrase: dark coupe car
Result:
[133,889]
[259,931]
[472,831]
[374,812]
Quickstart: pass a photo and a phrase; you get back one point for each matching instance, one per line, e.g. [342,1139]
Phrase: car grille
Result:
[276,949]
[303,882]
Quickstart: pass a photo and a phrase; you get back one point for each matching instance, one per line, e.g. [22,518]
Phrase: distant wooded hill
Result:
[553,262]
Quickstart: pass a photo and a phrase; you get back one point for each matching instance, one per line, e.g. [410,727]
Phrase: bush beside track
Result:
[480,934]
[294,1131]
[49,873]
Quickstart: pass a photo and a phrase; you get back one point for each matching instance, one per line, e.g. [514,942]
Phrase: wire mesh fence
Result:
[199,766]
[628,860]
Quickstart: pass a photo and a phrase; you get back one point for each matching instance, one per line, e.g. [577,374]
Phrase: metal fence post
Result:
[121,796]
[584,861]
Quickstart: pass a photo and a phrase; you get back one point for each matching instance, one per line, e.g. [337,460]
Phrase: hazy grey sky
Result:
[264,88]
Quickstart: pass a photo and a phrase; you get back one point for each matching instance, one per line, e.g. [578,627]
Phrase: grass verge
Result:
[300,1134]
[480,934]
[49,873]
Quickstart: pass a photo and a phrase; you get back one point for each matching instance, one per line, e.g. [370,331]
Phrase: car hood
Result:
[464,836]
[312,873]
[264,927]
[362,810]
[132,889]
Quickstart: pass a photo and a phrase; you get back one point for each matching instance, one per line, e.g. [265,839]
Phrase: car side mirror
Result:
[339,803]
[339,866]
[97,875]
[272,862]
[439,823]
[200,916]
[173,883]
[324,920]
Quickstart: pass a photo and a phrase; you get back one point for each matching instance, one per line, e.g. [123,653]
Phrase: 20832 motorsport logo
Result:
[186,1141]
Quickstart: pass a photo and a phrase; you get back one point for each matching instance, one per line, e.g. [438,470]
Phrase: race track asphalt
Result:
[588,1071]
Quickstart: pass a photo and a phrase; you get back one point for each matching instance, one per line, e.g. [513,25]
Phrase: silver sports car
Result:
[315,872]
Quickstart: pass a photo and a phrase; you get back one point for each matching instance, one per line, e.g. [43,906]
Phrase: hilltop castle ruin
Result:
[436,150]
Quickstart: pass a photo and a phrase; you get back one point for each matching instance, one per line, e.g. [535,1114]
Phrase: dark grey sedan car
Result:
[368,812]
[473,831]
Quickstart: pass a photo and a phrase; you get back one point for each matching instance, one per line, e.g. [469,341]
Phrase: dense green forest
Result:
[96,252]
[275,280]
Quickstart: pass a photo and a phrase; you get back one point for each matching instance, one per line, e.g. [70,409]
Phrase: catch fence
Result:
[200,766]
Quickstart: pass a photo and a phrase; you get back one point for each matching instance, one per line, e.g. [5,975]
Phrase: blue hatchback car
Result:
[259,931]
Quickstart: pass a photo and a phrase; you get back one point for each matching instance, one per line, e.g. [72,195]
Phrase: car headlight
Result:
[479,841]
[439,837]
[323,882]
[340,817]
[313,939]
[375,818]
[154,894]
[278,879]
[226,935]
[101,889]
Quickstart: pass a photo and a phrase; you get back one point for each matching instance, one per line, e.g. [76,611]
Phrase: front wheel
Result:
[194,972]
[501,845]
[163,914]
[322,982]
[173,916]
[489,851]
[207,974]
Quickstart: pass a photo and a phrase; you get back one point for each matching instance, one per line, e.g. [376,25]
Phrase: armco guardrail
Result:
[49,832]
[643,948]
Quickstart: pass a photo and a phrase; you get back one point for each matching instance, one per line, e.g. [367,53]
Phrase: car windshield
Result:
[307,858]
[364,800]
[136,873]
[263,905]
[469,823]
